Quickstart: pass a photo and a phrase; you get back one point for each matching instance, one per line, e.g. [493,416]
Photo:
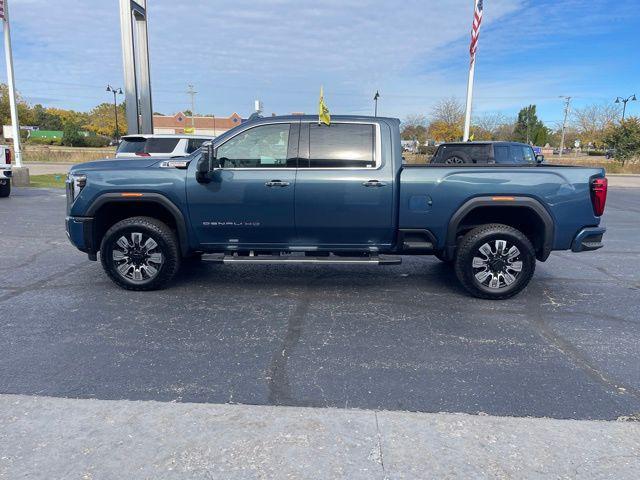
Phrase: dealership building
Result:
[181,123]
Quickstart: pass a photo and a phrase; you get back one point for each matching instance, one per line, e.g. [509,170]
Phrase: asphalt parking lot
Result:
[401,337]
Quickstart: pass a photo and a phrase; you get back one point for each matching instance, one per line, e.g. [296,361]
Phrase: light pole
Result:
[624,102]
[115,91]
[375,99]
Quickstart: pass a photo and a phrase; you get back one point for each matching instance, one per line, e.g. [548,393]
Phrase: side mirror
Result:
[207,163]
[539,158]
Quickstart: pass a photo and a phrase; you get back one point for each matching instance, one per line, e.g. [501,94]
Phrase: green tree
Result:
[529,129]
[46,120]
[102,120]
[625,138]
[71,135]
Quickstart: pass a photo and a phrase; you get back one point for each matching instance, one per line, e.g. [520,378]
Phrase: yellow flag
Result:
[323,111]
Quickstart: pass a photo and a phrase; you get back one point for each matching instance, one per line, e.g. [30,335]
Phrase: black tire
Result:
[137,263]
[5,190]
[457,158]
[494,275]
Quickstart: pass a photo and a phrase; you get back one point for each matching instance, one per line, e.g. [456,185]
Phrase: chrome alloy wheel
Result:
[137,258]
[499,266]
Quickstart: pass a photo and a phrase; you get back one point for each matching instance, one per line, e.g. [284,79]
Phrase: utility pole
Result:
[192,92]
[567,103]
[375,99]
[4,14]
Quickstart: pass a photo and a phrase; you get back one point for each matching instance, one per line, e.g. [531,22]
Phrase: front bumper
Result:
[80,233]
[588,239]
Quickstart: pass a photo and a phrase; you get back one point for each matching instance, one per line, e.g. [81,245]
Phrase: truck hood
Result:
[116,164]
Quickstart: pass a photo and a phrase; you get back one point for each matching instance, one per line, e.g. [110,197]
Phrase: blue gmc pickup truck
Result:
[288,190]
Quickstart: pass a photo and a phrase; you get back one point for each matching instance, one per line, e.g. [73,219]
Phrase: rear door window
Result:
[501,153]
[341,145]
[161,145]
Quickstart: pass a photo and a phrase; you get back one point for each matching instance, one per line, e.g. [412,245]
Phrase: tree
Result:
[71,135]
[529,129]
[414,127]
[46,120]
[593,121]
[491,126]
[442,131]
[625,138]
[447,120]
[101,120]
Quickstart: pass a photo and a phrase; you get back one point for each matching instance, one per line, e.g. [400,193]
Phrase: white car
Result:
[144,145]
[5,171]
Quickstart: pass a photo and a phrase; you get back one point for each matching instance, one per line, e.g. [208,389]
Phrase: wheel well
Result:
[522,218]
[112,212]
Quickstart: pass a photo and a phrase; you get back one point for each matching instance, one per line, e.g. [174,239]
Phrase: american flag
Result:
[475,30]
[2,9]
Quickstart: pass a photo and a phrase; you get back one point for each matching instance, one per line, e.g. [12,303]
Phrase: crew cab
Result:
[290,190]
[5,171]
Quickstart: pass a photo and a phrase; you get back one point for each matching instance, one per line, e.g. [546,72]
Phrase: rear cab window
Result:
[341,145]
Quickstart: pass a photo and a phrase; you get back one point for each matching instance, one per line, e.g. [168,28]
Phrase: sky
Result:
[414,52]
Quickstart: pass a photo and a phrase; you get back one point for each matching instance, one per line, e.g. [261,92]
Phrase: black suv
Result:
[486,152]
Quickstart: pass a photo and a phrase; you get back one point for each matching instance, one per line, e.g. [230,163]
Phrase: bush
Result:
[596,153]
[93,140]
[72,136]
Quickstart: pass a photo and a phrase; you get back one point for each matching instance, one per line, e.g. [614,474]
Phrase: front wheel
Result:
[495,261]
[5,188]
[140,253]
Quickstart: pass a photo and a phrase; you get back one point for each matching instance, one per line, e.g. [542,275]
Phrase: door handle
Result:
[277,183]
[373,183]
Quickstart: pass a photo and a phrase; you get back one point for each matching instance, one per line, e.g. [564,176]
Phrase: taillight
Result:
[143,154]
[599,195]
[7,156]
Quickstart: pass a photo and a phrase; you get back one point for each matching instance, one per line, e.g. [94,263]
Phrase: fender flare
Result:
[504,201]
[152,198]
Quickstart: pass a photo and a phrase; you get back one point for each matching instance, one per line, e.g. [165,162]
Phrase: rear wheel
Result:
[457,158]
[495,261]
[140,253]
[5,188]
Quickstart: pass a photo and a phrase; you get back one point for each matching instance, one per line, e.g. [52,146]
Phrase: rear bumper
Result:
[588,239]
[5,173]
[80,233]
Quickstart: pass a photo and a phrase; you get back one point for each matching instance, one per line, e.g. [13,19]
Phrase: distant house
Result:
[181,123]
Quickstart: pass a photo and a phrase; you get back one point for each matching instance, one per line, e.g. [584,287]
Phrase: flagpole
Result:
[11,83]
[467,117]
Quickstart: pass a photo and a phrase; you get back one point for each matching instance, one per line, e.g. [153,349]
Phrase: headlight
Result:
[75,183]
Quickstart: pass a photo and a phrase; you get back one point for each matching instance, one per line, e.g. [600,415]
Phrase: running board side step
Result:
[329,260]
